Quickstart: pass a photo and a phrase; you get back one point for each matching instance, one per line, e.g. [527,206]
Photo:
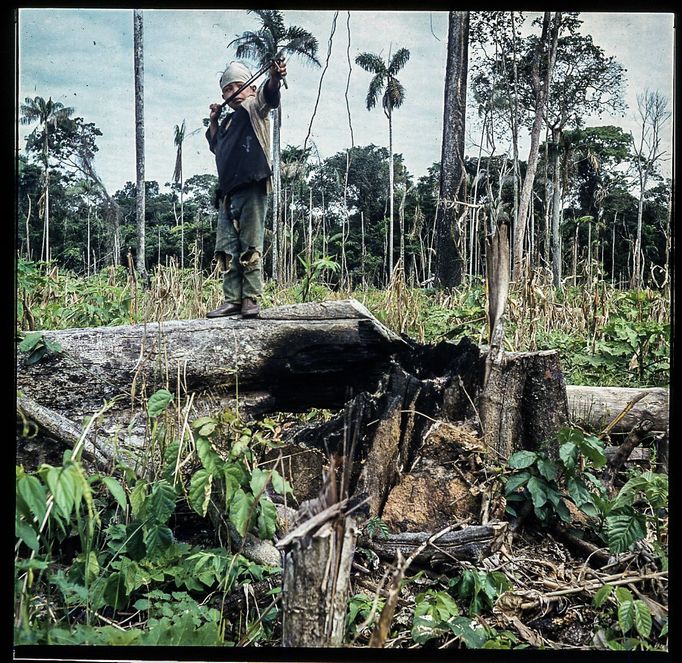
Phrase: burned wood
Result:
[471,544]
[304,355]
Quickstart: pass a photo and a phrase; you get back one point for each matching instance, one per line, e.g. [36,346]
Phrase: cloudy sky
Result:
[84,59]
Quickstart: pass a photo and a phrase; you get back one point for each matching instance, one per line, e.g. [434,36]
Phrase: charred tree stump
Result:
[523,404]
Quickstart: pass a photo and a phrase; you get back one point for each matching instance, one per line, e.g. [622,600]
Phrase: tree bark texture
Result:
[523,404]
[302,356]
[448,258]
[470,544]
[138,45]
[547,51]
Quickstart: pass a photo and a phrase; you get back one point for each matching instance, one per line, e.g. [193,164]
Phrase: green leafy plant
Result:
[235,475]
[375,526]
[436,614]
[634,628]
[313,271]
[479,588]
[363,611]
[619,522]
[37,347]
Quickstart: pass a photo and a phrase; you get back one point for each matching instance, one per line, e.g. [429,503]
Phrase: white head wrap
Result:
[235,72]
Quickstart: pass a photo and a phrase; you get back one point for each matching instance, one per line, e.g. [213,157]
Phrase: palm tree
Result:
[274,40]
[45,113]
[393,96]
[177,179]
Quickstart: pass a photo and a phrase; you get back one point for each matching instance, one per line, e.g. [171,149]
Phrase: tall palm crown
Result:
[384,79]
[273,39]
[44,112]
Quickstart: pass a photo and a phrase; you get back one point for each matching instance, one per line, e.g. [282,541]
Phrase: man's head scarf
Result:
[236,72]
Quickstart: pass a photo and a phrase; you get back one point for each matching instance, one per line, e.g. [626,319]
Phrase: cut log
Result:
[470,544]
[304,355]
[594,408]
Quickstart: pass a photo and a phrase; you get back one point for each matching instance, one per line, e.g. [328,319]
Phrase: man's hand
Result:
[215,111]
[278,70]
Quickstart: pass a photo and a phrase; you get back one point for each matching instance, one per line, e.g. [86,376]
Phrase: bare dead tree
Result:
[652,108]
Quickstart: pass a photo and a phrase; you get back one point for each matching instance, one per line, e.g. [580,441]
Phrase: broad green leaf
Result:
[36,355]
[200,491]
[280,485]
[240,511]
[63,488]
[622,531]
[547,468]
[568,453]
[538,491]
[642,618]
[578,492]
[135,547]
[601,595]
[207,429]
[515,481]
[626,615]
[258,481]
[53,347]
[161,501]
[521,459]
[593,448]
[26,533]
[30,341]
[170,461]
[267,519]
[34,494]
[117,491]
[470,632]
[207,455]
[142,604]
[157,539]
[115,591]
[138,497]
[91,567]
[623,594]
[158,402]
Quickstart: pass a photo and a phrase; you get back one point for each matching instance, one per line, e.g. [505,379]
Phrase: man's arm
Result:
[271,93]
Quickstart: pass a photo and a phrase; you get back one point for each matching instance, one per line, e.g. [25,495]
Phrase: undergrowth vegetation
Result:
[605,335]
[111,558]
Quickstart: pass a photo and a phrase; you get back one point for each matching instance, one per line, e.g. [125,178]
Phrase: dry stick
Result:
[380,632]
[624,412]
[617,579]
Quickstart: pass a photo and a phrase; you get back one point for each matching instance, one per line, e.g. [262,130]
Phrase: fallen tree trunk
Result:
[470,544]
[305,353]
[595,407]
[292,358]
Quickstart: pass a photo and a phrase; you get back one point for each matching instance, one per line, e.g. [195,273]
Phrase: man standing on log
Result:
[241,144]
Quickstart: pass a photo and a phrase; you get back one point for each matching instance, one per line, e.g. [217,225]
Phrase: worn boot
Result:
[225,309]
[250,308]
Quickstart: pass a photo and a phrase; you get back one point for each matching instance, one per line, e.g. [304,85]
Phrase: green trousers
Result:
[239,242]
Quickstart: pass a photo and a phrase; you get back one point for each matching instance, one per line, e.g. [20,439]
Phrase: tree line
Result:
[587,202]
